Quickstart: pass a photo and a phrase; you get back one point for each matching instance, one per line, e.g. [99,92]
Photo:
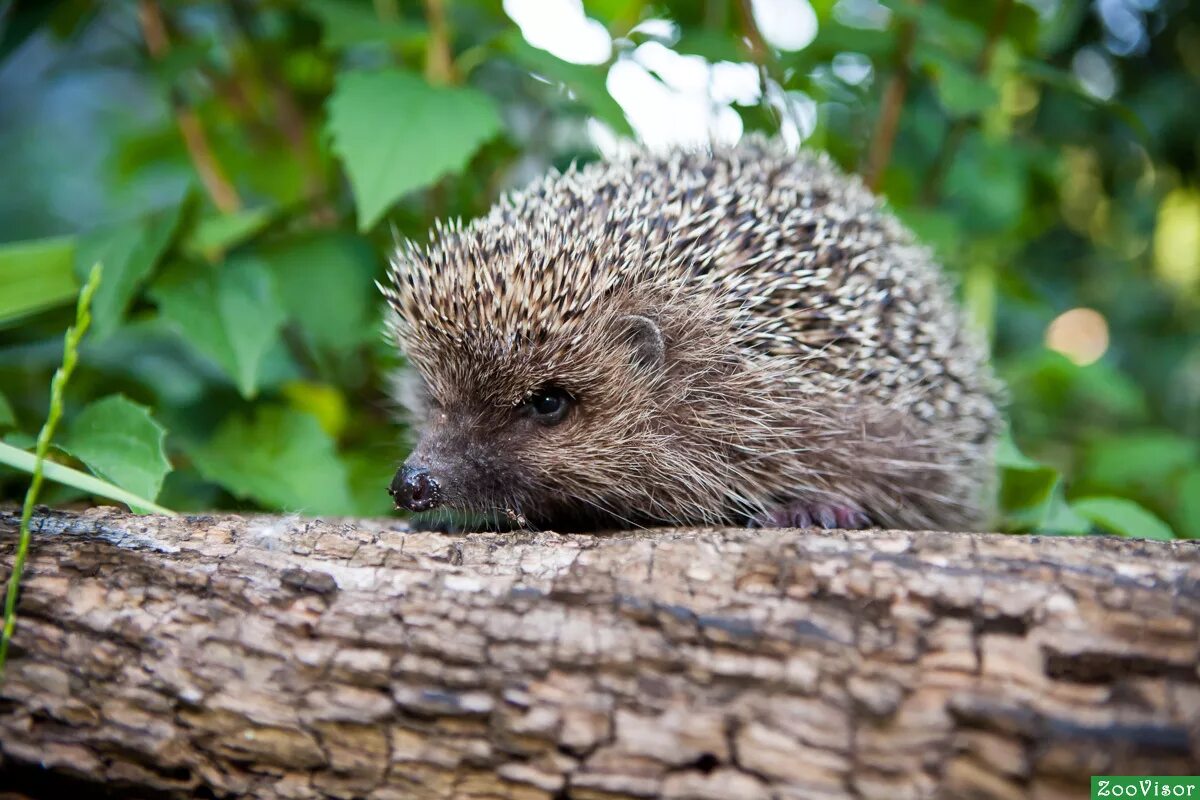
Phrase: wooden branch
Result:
[439,61]
[290,658]
[879,155]
[764,57]
[760,51]
[212,175]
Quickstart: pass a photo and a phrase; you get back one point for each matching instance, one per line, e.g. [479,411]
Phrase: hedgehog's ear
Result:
[649,349]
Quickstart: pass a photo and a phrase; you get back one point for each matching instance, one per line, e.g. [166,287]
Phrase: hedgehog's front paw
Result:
[813,515]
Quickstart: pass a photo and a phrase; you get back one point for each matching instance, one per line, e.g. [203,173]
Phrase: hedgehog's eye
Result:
[548,406]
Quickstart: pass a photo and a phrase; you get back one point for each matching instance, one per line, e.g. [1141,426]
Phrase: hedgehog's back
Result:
[859,359]
[802,261]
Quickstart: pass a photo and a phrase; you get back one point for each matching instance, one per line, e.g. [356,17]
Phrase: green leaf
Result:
[370,472]
[941,31]
[1143,459]
[120,442]
[213,236]
[961,91]
[129,253]
[1031,496]
[935,228]
[1123,517]
[1020,19]
[1027,488]
[36,275]
[396,133]
[1052,384]
[324,402]
[1058,28]
[7,418]
[1189,505]
[280,458]
[20,440]
[351,22]
[230,313]
[1062,519]
[1106,388]
[18,458]
[988,181]
[713,45]
[325,282]
[1009,455]
[1065,81]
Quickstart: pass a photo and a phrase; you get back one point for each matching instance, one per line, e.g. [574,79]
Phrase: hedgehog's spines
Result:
[817,349]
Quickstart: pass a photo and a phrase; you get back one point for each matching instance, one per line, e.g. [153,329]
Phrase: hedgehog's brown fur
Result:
[813,353]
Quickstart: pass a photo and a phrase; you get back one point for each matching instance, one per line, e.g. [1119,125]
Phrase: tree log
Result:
[228,656]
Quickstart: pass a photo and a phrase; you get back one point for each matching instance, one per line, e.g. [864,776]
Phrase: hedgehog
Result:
[726,335]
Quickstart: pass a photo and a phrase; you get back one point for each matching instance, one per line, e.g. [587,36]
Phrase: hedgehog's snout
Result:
[415,489]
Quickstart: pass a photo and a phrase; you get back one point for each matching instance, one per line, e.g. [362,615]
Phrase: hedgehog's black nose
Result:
[415,489]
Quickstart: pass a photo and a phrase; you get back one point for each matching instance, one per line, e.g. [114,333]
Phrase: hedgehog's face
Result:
[540,432]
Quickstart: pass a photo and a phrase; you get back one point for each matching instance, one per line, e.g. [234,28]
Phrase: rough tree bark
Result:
[288,658]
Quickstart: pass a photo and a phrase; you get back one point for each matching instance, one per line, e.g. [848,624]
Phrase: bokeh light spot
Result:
[1177,238]
[1080,334]
[786,24]
[561,28]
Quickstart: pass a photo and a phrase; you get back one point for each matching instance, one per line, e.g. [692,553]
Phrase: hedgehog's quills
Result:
[735,336]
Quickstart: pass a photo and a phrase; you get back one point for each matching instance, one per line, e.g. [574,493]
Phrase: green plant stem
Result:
[83,318]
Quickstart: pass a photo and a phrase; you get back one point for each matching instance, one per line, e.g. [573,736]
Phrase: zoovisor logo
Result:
[1145,786]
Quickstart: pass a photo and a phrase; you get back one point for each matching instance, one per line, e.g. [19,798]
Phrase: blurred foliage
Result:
[240,169]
